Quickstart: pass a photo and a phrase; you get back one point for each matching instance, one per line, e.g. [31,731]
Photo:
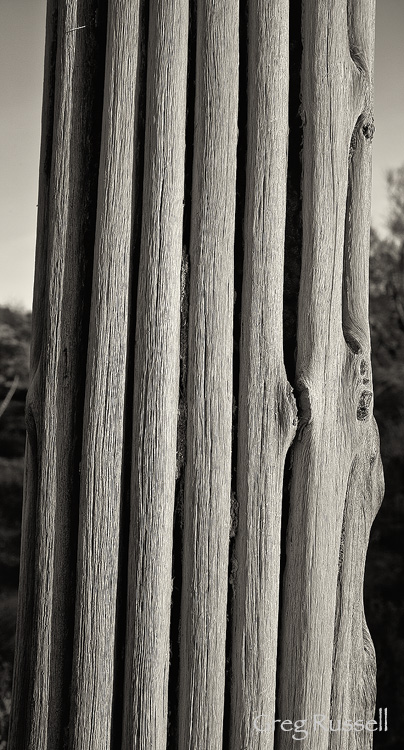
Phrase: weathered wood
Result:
[353,693]
[354,664]
[267,412]
[332,502]
[207,483]
[54,400]
[156,383]
[91,195]
[101,466]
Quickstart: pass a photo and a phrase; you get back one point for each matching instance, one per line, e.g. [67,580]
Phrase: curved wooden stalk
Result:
[336,483]
[156,382]
[208,470]
[267,412]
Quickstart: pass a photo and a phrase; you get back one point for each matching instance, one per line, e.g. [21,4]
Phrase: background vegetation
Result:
[15,328]
[384,600]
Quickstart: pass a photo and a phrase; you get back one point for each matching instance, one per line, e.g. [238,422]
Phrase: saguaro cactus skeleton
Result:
[202,465]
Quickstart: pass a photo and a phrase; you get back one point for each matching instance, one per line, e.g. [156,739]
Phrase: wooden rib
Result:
[156,383]
[330,372]
[354,663]
[54,400]
[355,307]
[101,466]
[267,413]
[207,483]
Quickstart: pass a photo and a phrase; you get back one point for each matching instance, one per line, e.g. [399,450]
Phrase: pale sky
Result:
[22,31]
[388,143]
[22,28]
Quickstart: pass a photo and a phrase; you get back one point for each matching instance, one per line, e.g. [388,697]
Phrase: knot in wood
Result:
[368,130]
[364,126]
[363,410]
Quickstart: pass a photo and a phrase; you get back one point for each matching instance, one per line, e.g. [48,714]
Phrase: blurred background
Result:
[22,25]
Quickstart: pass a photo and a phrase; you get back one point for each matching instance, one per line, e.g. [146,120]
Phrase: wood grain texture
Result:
[207,482]
[156,383]
[354,663]
[101,466]
[267,412]
[332,501]
[54,401]
[92,199]
[20,717]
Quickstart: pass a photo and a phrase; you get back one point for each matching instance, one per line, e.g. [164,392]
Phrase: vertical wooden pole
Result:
[354,663]
[267,412]
[67,195]
[336,430]
[207,484]
[156,384]
[101,466]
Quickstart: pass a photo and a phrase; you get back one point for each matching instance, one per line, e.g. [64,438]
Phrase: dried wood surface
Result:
[333,501]
[207,484]
[101,465]
[267,412]
[54,400]
[113,161]
[156,382]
